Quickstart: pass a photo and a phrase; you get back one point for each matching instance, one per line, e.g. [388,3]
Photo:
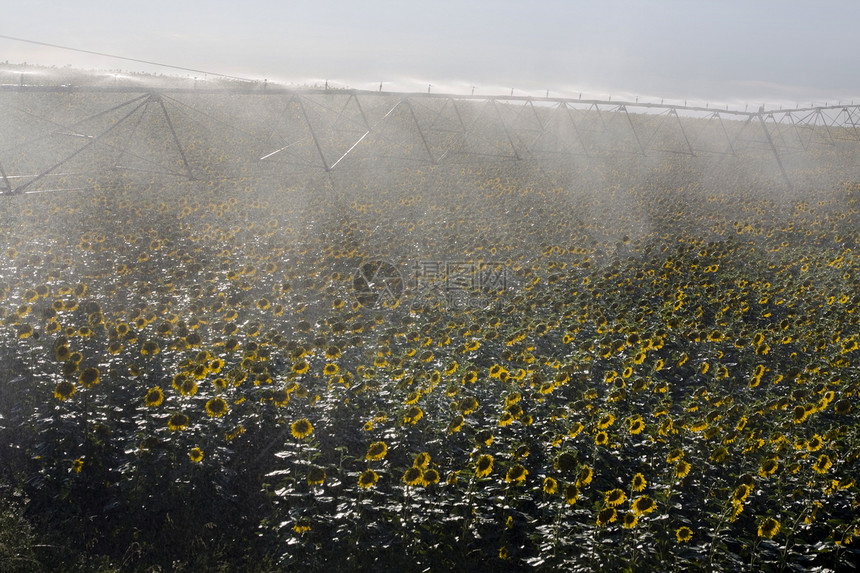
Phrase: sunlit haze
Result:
[729,52]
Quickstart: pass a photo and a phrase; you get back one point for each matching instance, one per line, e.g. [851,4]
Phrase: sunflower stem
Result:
[557,527]
[467,518]
[714,537]
[754,552]
[788,538]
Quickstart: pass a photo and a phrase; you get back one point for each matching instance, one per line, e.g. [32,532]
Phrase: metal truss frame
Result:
[322,128]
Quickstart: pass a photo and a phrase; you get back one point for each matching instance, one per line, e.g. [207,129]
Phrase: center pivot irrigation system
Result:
[56,138]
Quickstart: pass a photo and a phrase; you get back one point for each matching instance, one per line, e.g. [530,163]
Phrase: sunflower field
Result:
[663,376]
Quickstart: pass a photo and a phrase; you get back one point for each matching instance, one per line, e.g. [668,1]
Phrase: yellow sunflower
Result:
[822,464]
[768,468]
[188,387]
[431,476]
[149,348]
[630,520]
[330,369]
[606,516]
[768,528]
[682,468]
[216,407]
[301,429]
[196,455]
[571,494]
[89,377]
[456,424]
[316,476]
[64,390]
[484,466]
[412,415]
[614,497]
[368,479]
[740,494]
[643,504]
[154,397]
[585,476]
[376,451]
[413,476]
[516,474]
[177,422]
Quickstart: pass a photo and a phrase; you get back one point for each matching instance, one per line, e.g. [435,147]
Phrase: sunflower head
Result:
[430,477]
[516,474]
[768,528]
[302,526]
[822,464]
[799,414]
[682,468]
[571,494]
[467,405]
[154,397]
[586,474]
[412,415]
[768,468]
[301,428]
[606,516]
[89,377]
[413,476]
[566,462]
[614,497]
[177,422]
[376,451]
[456,424]
[636,426]
[188,387]
[64,390]
[330,369]
[196,455]
[719,454]
[643,504]
[149,348]
[216,407]
[421,460]
[740,494]
[484,466]
[316,476]
[368,479]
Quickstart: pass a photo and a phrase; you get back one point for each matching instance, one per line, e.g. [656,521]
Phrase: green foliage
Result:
[192,384]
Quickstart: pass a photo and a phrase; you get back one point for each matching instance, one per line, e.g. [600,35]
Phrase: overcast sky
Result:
[722,51]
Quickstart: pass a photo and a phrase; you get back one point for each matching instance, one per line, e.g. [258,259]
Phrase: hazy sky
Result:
[722,51]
